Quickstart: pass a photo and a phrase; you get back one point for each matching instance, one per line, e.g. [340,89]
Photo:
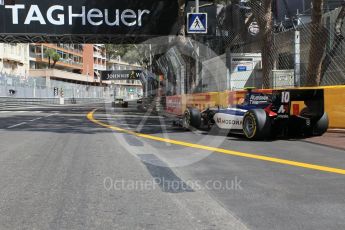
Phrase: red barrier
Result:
[174,105]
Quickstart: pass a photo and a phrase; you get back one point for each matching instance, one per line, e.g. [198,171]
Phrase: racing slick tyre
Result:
[256,125]
[125,104]
[321,125]
[191,118]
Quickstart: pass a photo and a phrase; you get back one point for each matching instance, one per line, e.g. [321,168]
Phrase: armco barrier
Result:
[12,101]
[8,101]
[334,102]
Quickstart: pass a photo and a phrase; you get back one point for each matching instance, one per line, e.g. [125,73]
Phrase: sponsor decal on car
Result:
[227,121]
[258,99]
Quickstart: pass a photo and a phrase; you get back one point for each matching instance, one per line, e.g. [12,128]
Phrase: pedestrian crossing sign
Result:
[197,23]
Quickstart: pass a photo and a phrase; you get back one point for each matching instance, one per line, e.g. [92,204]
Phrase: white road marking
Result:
[24,123]
[36,119]
[13,126]
[51,115]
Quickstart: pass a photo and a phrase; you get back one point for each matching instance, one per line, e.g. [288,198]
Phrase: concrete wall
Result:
[55,73]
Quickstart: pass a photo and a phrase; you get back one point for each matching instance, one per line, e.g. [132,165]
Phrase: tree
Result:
[52,55]
[49,53]
[181,17]
[338,39]
[128,52]
[317,44]
[262,11]
[56,57]
[116,50]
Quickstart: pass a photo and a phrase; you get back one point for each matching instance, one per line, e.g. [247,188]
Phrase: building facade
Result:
[14,59]
[76,64]
[71,57]
[99,59]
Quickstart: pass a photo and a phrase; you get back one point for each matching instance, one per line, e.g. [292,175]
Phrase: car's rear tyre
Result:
[191,118]
[321,125]
[125,105]
[256,124]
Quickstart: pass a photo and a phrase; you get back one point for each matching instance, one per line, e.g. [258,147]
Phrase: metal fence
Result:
[38,87]
[298,54]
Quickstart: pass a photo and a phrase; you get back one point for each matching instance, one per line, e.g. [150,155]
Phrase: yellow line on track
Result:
[90,116]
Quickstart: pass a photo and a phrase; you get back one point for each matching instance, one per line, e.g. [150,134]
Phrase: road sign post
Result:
[197,23]
[197,73]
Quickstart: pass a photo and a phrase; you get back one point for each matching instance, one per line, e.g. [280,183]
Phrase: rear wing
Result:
[287,102]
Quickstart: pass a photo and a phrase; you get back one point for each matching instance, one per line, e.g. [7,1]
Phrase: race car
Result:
[119,103]
[263,115]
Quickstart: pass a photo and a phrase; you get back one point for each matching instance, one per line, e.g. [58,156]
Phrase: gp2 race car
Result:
[264,115]
[119,103]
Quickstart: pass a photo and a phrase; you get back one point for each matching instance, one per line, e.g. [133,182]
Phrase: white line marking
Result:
[51,115]
[13,126]
[23,123]
[36,119]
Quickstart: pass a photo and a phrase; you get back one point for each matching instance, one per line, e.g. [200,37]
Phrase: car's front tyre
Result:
[191,118]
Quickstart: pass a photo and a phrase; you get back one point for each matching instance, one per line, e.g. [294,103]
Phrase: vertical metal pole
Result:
[147,81]
[297,59]
[182,80]
[146,85]
[34,88]
[151,57]
[303,6]
[197,77]
[228,68]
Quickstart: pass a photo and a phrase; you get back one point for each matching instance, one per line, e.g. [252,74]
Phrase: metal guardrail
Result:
[8,101]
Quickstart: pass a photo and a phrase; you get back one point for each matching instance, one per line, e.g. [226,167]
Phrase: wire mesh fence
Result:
[303,53]
[252,48]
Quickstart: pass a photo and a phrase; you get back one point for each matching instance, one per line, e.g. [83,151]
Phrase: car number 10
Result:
[285,97]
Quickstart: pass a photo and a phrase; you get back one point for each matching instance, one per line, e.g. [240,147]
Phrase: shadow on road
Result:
[166,179]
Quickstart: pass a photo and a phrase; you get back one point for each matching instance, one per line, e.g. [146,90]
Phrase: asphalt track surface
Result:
[65,168]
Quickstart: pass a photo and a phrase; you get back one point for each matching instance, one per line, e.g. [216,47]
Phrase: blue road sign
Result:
[197,23]
[241,68]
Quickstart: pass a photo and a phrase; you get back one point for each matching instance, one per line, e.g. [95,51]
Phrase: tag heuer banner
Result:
[121,75]
[88,17]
